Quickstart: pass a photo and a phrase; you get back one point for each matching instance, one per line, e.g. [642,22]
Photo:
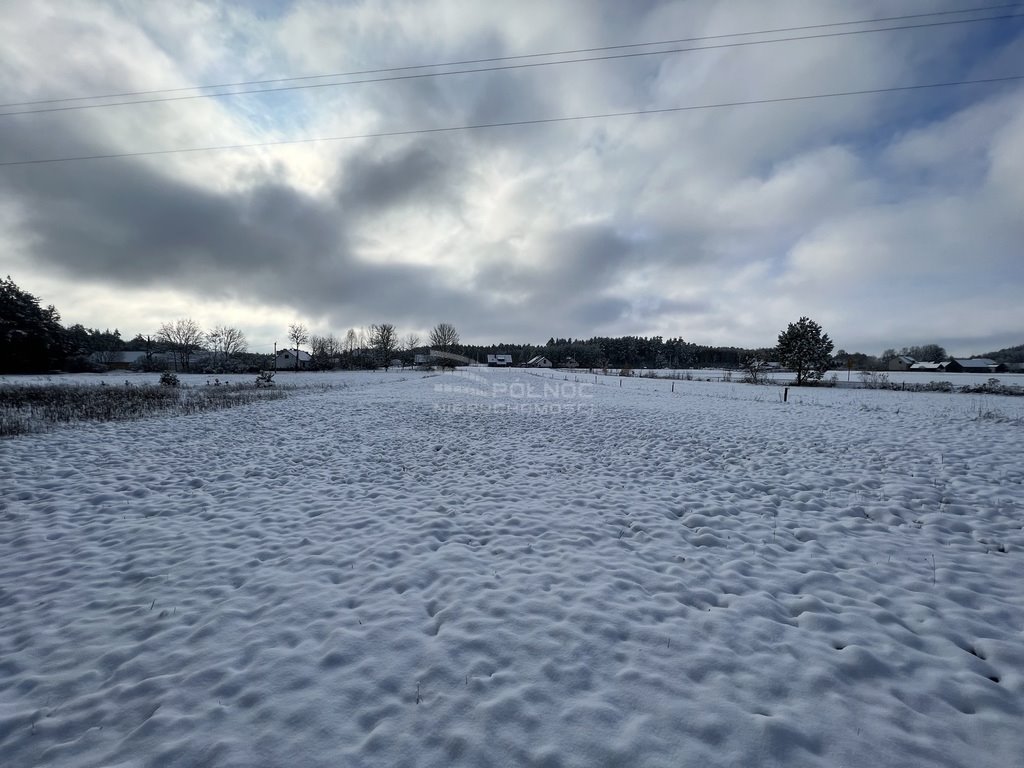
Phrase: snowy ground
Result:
[842,377]
[336,378]
[284,378]
[494,568]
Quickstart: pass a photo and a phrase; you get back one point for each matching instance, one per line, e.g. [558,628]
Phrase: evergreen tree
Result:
[31,337]
[804,349]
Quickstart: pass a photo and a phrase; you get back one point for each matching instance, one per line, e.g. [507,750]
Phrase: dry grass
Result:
[37,408]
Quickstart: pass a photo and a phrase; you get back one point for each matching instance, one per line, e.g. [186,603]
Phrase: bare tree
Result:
[297,335]
[929,353]
[349,346]
[411,342]
[444,336]
[755,370]
[384,341]
[184,337]
[325,350]
[225,342]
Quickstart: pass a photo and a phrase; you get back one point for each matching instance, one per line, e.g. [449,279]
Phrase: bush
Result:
[168,379]
[875,380]
[755,370]
[994,387]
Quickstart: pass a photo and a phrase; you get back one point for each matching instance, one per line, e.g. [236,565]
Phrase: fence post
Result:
[785,395]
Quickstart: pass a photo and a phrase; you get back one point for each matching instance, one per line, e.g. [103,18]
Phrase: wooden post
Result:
[673,386]
[785,395]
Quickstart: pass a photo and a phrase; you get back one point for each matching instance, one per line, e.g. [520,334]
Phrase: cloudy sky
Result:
[891,218]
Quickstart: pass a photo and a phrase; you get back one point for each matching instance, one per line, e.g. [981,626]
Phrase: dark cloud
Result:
[419,174]
[126,223]
[599,313]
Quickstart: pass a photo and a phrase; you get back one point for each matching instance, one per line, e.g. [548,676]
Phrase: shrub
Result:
[994,387]
[754,370]
[168,379]
[875,380]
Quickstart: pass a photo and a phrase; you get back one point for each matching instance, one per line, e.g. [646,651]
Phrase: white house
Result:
[285,360]
[538,362]
[499,361]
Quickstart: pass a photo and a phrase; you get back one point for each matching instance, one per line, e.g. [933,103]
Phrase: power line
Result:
[505,67]
[492,59]
[510,123]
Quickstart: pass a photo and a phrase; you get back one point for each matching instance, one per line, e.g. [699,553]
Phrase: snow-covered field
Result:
[340,378]
[284,378]
[842,377]
[493,568]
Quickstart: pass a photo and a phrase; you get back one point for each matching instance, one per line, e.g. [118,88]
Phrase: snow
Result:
[844,376]
[499,568]
[285,378]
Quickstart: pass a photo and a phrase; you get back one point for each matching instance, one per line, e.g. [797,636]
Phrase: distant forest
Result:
[623,351]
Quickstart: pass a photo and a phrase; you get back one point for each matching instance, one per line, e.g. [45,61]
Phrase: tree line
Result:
[33,340]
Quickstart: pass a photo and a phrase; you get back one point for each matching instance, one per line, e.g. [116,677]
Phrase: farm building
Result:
[974,365]
[285,360]
[500,360]
[902,363]
[538,362]
[934,367]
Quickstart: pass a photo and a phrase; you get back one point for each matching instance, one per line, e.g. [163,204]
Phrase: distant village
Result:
[955,365]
